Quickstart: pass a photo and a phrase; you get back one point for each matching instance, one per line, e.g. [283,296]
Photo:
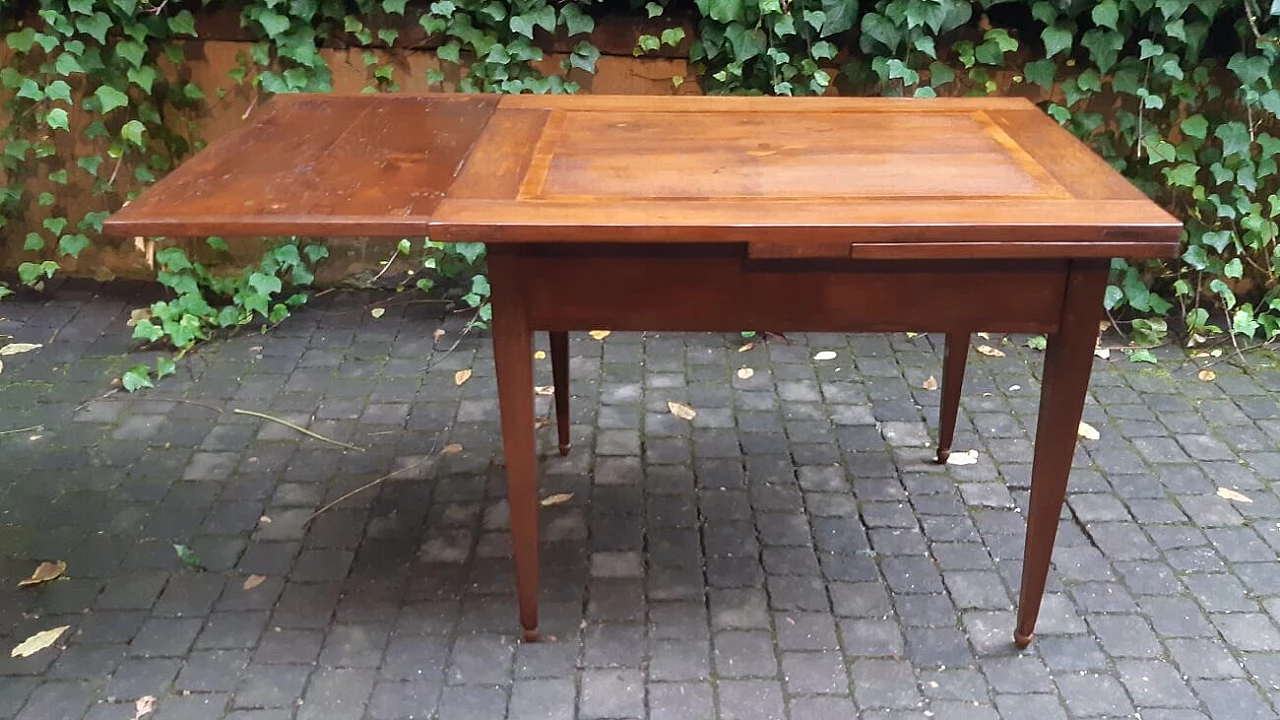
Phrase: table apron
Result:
[718,288]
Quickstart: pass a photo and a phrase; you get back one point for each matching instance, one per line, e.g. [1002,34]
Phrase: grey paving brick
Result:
[751,700]
[542,700]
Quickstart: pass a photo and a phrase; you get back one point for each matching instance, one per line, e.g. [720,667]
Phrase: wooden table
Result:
[707,213]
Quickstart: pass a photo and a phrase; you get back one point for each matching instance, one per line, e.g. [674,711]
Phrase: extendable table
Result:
[707,213]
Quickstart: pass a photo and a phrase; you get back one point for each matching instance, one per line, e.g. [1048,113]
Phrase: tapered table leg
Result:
[560,377]
[513,358]
[1067,363]
[954,356]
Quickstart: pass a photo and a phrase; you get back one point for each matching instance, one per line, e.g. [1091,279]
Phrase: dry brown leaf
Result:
[825,355]
[984,336]
[1207,375]
[451,449]
[598,334]
[931,383]
[254,581]
[378,312]
[38,642]
[541,422]
[144,706]
[682,411]
[1229,494]
[557,499]
[1088,432]
[135,316]
[746,347]
[540,355]
[45,572]
[544,390]
[966,457]
[746,373]
[15,348]
[990,351]
[439,333]
[1015,388]
[264,519]
[461,376]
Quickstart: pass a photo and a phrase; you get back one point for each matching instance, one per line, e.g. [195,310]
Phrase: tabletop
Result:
[974,177]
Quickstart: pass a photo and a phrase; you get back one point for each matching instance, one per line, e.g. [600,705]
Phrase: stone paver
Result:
[791,553]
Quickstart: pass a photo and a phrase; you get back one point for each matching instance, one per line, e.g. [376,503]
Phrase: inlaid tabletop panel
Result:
[794,177]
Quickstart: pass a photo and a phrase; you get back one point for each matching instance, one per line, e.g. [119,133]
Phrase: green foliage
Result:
[205,303]
[1181,96]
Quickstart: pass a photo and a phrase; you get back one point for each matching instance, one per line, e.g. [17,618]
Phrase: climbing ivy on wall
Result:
[1179,95]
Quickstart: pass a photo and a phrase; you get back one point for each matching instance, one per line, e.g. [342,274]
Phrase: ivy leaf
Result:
[110,98]
[1195,126]
[73,245]
[840,16]
[132,132]
[95,26]
[21,40]
[58,90]
[138,376]
[1104,46]
[67,64]
[1234,137]
[165,366]
[545,18]
[1234,269]
[131,50]
[57,119]
[184,23]
[577,22]
[673,36]
[1041,72]
[584,57]
[395,7]
[33,242]
[725,11]
[316,253]
[1106,14]
[187,557]
[265,284]
[273,24]
[1159,150]
[55,225]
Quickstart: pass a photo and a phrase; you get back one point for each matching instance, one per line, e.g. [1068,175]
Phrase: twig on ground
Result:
[302,430]
[430,454]
[15,431]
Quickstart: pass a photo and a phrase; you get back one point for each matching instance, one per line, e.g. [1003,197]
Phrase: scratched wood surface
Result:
[809,177]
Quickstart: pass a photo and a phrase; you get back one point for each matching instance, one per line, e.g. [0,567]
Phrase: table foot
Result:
[532,636]
[1022,641]
[564,448]
[943,454]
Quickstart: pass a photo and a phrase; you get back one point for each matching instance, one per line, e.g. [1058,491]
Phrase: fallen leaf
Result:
[967,457]
[378,312]
[557,499]
[990,351]
[1207,375]
[265,519]
[254,581]
[38,642]
[746,373]
[541,422]
[598,334]
[1102,353]
[135,316]
[461,376]
[1229,494]
[1088,432]
[540,355]
[682,411]
[451,449]
[439,333]
[544,390]
[44,572]
[1,366]
[984,336]
[15,348]
[187,557]
[1015,388]
[930,384]
[746,347]
[144,706]
[825,355]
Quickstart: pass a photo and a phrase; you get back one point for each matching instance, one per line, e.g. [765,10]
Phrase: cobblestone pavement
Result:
[790,553]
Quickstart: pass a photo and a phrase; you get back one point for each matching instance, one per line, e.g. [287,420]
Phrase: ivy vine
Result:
[1179,95]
